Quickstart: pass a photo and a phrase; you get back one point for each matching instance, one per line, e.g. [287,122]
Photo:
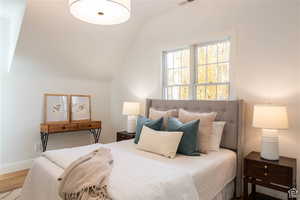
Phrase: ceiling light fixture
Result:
[103,12]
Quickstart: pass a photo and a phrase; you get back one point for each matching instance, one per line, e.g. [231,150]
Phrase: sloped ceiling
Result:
[11,16]
[53,42]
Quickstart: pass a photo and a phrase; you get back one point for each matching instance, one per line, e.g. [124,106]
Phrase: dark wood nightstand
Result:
[278,175]
[124,135]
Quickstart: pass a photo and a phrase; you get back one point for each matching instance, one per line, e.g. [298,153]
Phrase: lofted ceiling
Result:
[53,42]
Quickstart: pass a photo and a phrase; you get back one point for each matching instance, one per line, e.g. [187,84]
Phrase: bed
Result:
[142,175]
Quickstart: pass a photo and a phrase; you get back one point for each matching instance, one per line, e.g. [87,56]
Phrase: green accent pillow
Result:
[144,121]
[188,143]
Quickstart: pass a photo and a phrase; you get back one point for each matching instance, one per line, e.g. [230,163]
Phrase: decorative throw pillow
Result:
[188,143]
[157,114]
[205,127]
[216,137]
[159,142]
[153,124]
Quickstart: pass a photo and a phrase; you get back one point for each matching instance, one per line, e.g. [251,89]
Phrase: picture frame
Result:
[56,108]
[80,107]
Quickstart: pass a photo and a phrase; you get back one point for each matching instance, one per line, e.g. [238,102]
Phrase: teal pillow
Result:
[188,143]
[144,121]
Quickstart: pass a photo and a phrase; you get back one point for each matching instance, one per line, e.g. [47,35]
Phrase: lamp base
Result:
[131,124]
[270,145]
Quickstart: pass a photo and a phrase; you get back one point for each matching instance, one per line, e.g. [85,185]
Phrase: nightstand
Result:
[278,175]
[124,135]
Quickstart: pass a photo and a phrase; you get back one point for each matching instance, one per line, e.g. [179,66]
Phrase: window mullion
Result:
[193,73]
[206,70]
[165,77]
[217,70]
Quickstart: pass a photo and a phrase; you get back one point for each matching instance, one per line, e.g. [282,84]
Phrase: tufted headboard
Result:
[230,111]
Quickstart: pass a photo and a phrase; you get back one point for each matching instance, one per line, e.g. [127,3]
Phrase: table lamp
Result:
[270,119]
[131,109]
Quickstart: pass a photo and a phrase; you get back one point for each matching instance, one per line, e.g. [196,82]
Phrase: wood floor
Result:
[12,181]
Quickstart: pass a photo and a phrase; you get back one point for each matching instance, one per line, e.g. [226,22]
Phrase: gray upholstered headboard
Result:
[230,111]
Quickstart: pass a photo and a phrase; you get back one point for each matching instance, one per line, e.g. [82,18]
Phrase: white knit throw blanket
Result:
[87,177]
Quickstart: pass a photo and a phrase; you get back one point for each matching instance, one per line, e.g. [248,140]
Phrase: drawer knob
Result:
[63,127]
[266,167]
[266,174]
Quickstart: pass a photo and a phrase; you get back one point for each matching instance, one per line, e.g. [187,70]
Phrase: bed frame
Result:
[230,111]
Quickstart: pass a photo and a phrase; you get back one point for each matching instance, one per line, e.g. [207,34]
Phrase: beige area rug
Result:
[11,195]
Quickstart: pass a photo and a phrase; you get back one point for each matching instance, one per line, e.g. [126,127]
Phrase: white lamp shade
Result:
[270,117]
[103,12]
[131,108]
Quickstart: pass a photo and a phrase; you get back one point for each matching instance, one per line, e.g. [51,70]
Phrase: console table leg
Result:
[44,139]
[246,188]
[96,133]
[253,188]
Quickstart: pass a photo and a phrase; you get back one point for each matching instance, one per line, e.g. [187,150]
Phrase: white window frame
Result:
[165,74]
[194,70]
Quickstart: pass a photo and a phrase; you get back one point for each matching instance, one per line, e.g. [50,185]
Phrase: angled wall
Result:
[11,18]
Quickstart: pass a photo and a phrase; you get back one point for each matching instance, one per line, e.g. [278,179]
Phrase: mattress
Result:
[210,172]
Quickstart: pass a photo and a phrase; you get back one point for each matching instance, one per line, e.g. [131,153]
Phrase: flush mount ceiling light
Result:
[103,12]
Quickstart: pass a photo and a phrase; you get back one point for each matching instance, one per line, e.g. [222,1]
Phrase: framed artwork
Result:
[80,108]
[56,108]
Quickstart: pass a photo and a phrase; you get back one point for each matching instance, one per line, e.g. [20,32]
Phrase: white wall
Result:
[265,58]
[3,63]
[11,16]
[23,113]
[43,64]
[4,41]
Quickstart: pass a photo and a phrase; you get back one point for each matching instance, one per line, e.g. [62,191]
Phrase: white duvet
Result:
[138,175]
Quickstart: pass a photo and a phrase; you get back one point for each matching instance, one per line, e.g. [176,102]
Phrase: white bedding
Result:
[151,177]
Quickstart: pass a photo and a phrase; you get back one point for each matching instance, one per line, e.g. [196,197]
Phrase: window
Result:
[197,72]
[178,74]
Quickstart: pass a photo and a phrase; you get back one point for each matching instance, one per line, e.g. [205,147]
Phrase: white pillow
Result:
[159,142]
[216,136]
[157,114]
[205,126]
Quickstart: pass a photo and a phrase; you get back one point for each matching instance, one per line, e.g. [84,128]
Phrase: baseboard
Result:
[16,166]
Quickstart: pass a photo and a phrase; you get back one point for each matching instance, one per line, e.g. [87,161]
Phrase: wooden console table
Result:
[94,128]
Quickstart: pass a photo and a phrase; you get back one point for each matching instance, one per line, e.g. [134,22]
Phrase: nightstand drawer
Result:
[280,175]
[124,136]
[269,173]
[256,169]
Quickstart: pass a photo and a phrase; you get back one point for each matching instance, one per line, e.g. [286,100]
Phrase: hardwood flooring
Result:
[12,181]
